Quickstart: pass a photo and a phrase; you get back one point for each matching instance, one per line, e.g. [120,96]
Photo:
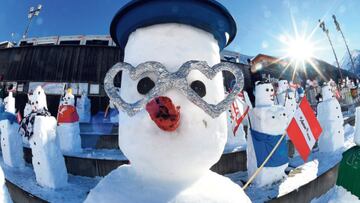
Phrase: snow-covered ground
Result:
[337,194]
[75,191]
[318,164]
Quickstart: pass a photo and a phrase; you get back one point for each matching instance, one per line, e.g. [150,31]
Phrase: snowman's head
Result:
[264,94]
[38,99]
[283,86]
[172,138]
[327,92]
[68,99]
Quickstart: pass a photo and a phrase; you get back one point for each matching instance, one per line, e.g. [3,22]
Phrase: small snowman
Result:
[331,120]
[4,193]
[9,102]
[267,124]
[83,107]
[11,141]
[68,129]
[237,119]
[40,128]
[282,92]
[172,143]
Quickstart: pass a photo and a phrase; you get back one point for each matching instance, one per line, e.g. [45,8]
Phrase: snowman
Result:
[11,141]
[331,120]
[9,102]
[4,194]
[267,124]
[40,128]
[237,118]
[68,129]
[173,143]
[282,92]
[83,107]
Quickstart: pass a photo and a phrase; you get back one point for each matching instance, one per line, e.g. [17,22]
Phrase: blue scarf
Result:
[264,143]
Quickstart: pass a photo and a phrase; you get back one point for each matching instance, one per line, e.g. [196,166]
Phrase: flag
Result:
[237,114]
[304,129]
[18,117]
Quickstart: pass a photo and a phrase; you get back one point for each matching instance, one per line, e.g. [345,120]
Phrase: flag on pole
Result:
[304,129]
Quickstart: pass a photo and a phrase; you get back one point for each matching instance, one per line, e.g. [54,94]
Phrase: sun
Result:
[300,49]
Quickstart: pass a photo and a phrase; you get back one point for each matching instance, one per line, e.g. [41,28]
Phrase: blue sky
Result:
[261,23]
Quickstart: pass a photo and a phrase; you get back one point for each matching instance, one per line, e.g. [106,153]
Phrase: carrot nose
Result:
[164,113]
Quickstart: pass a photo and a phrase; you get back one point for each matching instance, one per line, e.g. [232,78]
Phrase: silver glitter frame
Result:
[177,80]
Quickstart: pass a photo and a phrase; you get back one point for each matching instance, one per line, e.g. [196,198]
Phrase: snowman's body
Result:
[331,120]
[11,141]
[47,160]
[68,129]
[282,92]
[83,107]
[172,166]
[268,123]
[4,194]
[237,113]
[286,97]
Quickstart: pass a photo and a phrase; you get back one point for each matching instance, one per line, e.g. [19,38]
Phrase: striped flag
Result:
[304,129]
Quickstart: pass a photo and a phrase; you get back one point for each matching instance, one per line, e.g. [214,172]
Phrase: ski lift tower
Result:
[32,13]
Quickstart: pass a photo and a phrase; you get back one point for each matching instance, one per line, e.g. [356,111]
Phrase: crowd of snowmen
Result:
[49,138]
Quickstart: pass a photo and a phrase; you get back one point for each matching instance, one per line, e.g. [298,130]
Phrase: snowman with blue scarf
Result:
[267,124]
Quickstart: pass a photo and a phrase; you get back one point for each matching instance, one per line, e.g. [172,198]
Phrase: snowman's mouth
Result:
[164,113]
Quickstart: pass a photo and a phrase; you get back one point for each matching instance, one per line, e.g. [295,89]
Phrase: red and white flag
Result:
[304,129]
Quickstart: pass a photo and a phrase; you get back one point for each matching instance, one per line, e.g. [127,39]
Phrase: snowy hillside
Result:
[346,62]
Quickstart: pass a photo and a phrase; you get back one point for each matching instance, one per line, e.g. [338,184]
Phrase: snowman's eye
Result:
[267,89]
[68,98]
[199,88]
[32,103]
[36,102]
[145,85]
[271,90]
[38,92]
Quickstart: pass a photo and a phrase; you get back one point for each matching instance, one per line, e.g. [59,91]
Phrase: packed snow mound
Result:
[346,62]
[337,194]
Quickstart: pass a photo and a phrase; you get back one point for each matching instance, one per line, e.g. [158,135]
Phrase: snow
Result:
[4,194]
[184,155]
[331,120]
[211,187]
[75,191]
[11,144]
[337,194]
[303,173]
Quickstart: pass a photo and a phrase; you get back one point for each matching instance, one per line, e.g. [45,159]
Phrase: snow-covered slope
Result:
[346,62]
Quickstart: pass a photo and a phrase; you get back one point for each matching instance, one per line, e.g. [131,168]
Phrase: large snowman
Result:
[172,144]
[267,124]
[40,128]
[331,120]
[11,141]
[68,129]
